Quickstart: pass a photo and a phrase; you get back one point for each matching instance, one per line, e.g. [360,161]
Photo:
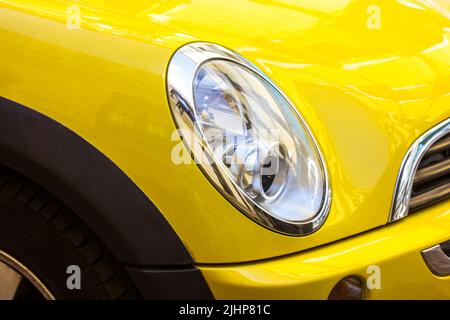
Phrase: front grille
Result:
[432,178]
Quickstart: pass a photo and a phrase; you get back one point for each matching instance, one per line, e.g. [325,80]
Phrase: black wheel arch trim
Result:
[170,283]
[90,184]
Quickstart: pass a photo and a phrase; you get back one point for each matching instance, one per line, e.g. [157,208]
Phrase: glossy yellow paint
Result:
[366,92]
[391,253]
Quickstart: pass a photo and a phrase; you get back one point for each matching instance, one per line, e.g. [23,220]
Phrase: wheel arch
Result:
[90,184]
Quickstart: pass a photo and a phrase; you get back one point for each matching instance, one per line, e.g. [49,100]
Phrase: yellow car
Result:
[241,149]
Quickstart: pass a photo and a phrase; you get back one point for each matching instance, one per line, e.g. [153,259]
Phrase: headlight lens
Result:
[248,139]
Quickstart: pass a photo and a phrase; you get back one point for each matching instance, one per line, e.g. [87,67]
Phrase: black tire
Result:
[46,237]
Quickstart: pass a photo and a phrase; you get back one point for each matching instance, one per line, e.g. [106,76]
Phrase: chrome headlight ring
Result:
[212,90]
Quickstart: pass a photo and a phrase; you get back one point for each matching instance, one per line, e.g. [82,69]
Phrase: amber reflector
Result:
[349,288]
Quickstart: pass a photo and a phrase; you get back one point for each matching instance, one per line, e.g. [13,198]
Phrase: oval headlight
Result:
[248,139]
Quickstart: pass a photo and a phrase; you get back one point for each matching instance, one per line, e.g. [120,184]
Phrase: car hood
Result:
[394,50]
[369,79]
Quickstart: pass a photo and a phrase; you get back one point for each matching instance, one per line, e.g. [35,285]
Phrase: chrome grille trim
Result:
[405,180]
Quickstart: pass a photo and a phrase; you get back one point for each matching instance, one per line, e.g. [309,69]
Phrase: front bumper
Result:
[395,249]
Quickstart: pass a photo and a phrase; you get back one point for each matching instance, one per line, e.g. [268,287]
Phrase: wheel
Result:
[47,252]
